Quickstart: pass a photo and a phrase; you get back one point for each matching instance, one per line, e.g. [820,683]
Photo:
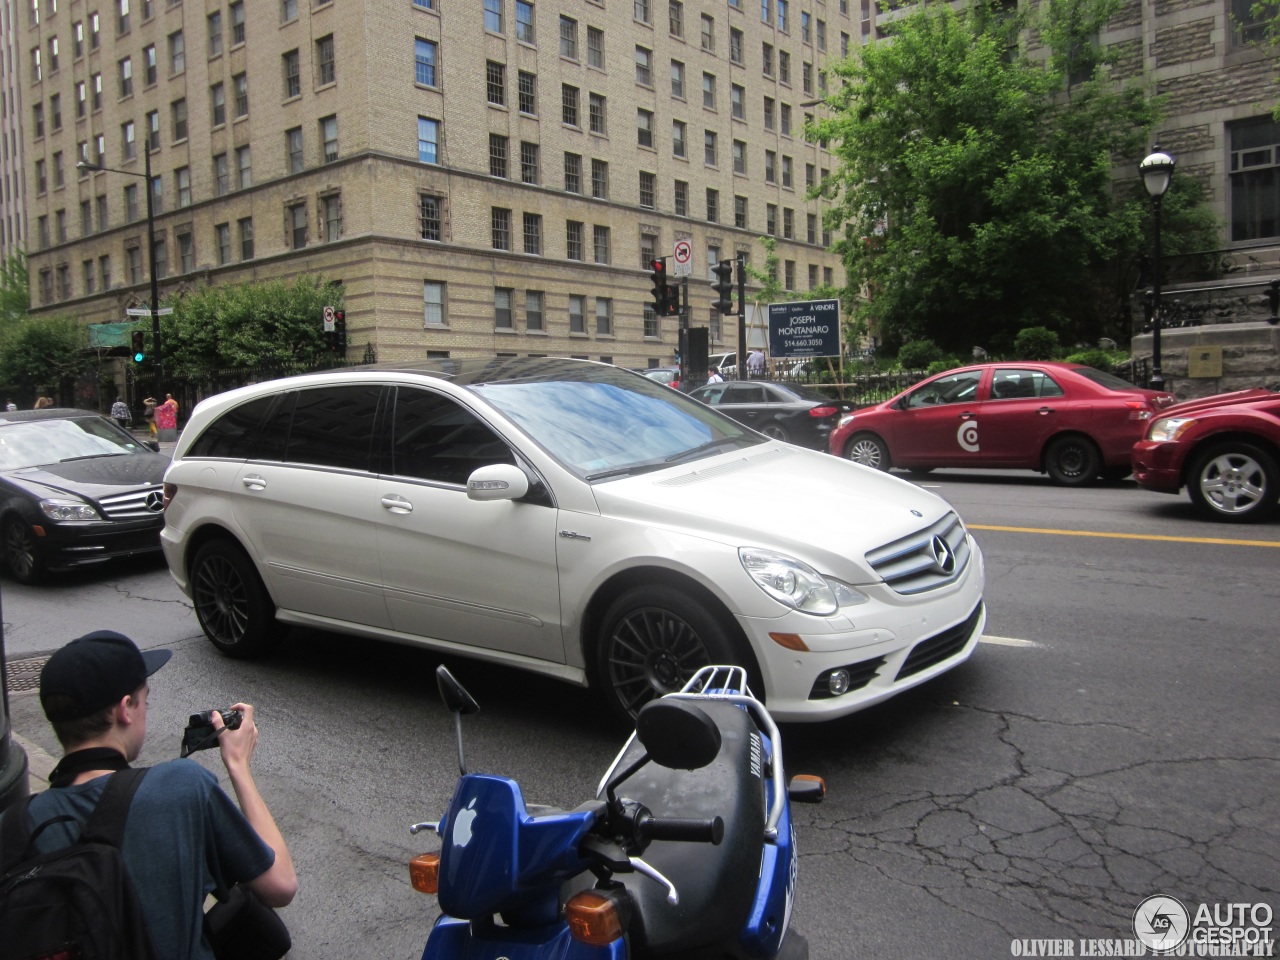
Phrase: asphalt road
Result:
[1115,737]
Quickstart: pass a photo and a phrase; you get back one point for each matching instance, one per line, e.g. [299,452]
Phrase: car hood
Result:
[1188,407]
[92,479]
[821,509]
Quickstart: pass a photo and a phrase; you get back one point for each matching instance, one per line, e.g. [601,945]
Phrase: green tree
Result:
[15,290]
[272,324]
[44,354]
[974,195]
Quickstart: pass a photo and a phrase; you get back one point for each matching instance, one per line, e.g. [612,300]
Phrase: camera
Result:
[200,734]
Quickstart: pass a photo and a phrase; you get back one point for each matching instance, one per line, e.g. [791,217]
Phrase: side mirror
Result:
[678,734]
[454,694]
[497,481]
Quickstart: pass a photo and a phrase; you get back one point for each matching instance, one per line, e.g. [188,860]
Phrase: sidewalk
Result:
[39,763]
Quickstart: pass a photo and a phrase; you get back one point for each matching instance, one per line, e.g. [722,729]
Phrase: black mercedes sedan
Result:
[784,411]
[75,489]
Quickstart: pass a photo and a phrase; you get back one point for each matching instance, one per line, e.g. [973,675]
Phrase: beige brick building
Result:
[487,176]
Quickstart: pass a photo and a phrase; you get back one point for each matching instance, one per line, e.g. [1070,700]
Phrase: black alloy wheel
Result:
[21,554]
[775,431]
[231,603]
[1073,461]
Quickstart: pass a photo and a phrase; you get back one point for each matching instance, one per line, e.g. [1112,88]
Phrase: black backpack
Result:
[77,902]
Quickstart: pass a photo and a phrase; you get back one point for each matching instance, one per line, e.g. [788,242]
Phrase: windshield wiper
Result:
[645,467]
[92,456]
[702,448]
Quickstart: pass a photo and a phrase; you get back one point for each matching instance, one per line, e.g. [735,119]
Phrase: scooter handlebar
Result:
[681,828]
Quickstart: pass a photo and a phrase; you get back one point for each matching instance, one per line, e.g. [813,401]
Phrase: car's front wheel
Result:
[653,639]
[21,554]
[1234,481]
[233,607]
[868,450]
[1073,461]
[775,431]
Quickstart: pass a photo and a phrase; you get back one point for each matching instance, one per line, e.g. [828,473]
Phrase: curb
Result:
[40,764]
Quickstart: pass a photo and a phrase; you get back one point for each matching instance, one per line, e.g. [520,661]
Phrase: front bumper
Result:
[66,545]
[887,646]
[1157,465]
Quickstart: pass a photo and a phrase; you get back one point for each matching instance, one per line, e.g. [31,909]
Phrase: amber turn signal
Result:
[791,641]
[593,918]
[424,872]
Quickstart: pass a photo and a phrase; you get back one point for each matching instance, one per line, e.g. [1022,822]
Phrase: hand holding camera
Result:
[200,733]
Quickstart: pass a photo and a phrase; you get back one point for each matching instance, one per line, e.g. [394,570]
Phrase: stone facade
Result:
[1250,358]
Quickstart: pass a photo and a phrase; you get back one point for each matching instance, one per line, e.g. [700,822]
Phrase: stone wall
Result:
[1250,357]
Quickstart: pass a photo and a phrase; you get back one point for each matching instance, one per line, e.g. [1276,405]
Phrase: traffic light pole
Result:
[684,327]
[157,361]
[742,318]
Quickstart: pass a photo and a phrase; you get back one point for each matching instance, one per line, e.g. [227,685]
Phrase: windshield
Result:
[38,442]
[1104,379]
[613,426]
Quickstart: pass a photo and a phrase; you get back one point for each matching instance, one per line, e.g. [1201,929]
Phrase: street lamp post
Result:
[1156,170]
[157,363]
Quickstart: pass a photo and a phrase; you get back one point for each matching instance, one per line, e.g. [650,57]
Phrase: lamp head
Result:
[1157,170]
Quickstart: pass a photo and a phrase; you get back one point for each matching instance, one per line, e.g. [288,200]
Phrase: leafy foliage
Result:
[974,195]
[44,354]
[918,354]
[15,290]
[1036,343]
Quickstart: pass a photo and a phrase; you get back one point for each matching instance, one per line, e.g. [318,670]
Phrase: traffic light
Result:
[660,291]
[340,330]
[723,287]
[138,339]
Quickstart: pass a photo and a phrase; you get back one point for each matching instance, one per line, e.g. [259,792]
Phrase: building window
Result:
[524,21]
[640,10]
[786,173]
[1255,178]
[784,118]
[288,10]
[568,38]
[737,102]
[178,114]
[572,173]
[709,91]
[222,237]
[237,22]
[329,138]
[327,71]
[533,309]
[652,327]
[682,198]
[37,119]
[42,178]
[424,57]
[240,83]
[293,148]
[217,105]
[128,148]
[595,48]
[735,45]
[644,66]
[648,187]
[769,113]
[161,258]
[149,70]
[177,53]
[771,219]
[529,162]
[604,316]
[244,168]
[577,311]
[55,112]
[677,79]
[500,228]
[331,215]
[122,17]
[213,27]
[87,267]
[784,67]
[502,319]
[740,157]
[788,224]
[182,181]
[101,203]
[527,86]
[104,266]
[157,193]
[153,131]
[292,66]
[644,127]
[708,34]
[598,116]
[496,83]
[131,203]
[740,212]
[599,179]
[569,105]
[573,240]
[709,147]
[186,252]
[133,264]
[493,15]
[1248,23]
[428,140]
[497,155]
[126,77]
[533,234]
[245,227]
[600,243]
[295,225]
[713,205]
[433,304]
[82,100]
[679,146]
[810,228]
[221,175]
[429,217]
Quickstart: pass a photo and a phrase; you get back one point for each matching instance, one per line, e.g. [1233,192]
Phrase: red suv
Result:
[1225,450]
[1073,422]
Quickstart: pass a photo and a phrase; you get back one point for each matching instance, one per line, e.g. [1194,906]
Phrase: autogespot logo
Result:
[1162,923]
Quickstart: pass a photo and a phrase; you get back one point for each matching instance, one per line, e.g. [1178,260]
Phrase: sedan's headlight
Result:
[796,584]
[1169,428]
[68,510]
[845,419]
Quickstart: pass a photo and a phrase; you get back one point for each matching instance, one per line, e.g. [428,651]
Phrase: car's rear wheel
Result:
[868,450]
[654,638]
[21,554]
[1073,461]
[1234,481]
[232,605]
[775,431]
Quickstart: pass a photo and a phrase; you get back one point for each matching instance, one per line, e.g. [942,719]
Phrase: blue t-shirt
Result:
[183,837]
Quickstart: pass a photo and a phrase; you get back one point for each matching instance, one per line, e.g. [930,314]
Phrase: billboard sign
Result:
[804,328]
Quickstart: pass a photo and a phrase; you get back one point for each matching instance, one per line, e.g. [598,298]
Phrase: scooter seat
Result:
[716,884]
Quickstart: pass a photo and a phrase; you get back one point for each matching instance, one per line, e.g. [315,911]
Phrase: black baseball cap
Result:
[94,671]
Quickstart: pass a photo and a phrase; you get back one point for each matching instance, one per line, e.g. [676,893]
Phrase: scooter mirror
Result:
[454,694]
[677,734]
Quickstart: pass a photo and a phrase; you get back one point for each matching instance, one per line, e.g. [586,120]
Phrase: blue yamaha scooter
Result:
[688,849]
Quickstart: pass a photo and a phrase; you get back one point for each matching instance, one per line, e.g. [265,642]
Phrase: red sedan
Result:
[1225,450]
[1073,422]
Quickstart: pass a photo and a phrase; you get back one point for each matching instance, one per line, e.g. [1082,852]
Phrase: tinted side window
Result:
[957,388]
[435,438]
[334,426]
[745,393]
[235,434]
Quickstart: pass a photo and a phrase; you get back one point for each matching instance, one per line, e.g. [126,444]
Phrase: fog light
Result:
[838,682]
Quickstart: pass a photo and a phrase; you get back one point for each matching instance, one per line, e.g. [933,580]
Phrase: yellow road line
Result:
[1127,536]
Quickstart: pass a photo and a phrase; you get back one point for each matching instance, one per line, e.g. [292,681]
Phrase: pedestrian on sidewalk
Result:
[120,413]
[149,414]
[167,418]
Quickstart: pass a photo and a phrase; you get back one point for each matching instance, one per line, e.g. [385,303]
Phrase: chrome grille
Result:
[134,505]
[917,563]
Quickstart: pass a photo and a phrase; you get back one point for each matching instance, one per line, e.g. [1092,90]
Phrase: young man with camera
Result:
[184,837]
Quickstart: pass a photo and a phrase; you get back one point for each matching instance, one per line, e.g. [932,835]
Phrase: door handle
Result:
[1043,410]
[254,482]
[966,415]
[397,504]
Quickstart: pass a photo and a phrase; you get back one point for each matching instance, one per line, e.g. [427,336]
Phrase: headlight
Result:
[68,510]
[796,584]
[1169,428]
[848,417]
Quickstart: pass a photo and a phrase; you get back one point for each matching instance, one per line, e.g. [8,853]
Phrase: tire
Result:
[231,603]
[1235,482]
[1073,461]
[775,431]
[868,450]
[653,639]
[21,554]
